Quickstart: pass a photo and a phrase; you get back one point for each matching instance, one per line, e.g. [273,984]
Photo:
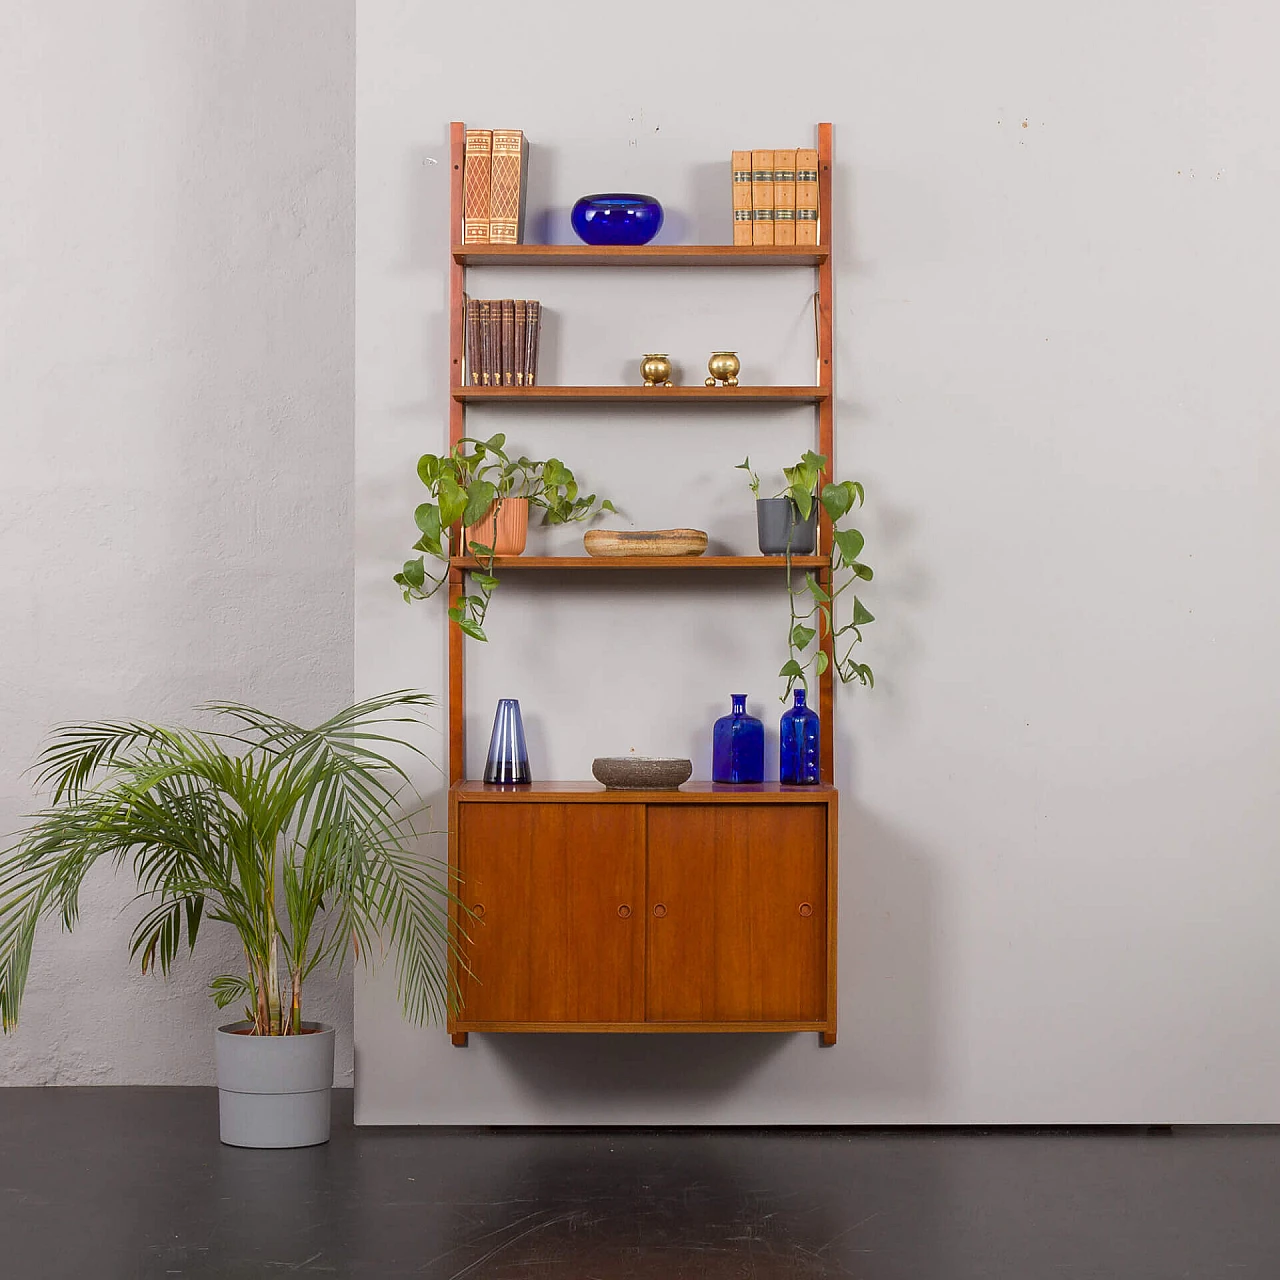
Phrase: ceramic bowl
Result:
[641,773]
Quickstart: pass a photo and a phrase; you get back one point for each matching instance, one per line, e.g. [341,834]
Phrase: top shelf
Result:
[646,255]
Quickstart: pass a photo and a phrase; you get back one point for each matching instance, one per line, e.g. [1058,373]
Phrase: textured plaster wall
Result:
[1056,270]
[175,456]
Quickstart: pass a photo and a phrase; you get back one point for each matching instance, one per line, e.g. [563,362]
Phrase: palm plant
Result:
[292,836]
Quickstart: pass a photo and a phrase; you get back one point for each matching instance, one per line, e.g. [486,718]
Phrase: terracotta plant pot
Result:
[506,533]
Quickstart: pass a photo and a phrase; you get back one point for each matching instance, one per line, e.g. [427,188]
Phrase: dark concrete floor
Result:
[112,1184]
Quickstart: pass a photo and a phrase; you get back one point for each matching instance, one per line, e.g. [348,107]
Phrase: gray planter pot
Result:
[778,519]
[274,1091]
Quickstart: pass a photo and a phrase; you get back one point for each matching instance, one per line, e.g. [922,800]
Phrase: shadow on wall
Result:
[632,1068]
[884,1068]
[889,923]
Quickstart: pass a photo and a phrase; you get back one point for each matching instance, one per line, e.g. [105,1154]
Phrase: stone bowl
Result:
[641,773]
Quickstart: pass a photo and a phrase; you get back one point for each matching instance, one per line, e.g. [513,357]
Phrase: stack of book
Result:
[502,341]
[495,164]
[775,197]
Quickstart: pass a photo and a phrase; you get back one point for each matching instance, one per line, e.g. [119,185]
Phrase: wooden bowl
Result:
[641,773]
[644,542]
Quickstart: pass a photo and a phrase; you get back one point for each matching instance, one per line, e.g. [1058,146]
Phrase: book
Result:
[533,336]
[508,378]
[784,197]
[475,186]
[484,350]
[508,171]
[762,197]
[518,344]
[741,170]
[806,196]
[471,340]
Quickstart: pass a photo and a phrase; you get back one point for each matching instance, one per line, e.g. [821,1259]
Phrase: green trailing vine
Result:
[812,609]
[466,484]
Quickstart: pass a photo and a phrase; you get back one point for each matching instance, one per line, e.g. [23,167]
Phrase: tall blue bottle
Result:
[737,745]
[799,745]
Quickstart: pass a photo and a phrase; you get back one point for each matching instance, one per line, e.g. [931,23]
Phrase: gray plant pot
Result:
[779,518]
[274,1091]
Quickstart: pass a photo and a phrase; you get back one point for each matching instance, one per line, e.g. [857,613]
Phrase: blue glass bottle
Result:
[737,745]
[799,745]
[508,756]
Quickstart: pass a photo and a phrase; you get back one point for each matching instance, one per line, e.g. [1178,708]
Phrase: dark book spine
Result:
[486,356]
[508,342]
[470,331]
[518,343]
[534,324]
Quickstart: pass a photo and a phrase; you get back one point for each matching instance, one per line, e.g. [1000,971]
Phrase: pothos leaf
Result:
[801,636]
[850,542]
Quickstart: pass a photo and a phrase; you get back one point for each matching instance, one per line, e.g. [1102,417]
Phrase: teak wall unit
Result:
[711,908]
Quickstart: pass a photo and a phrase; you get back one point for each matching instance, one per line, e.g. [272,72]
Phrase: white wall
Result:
[1056,269]
[175,462]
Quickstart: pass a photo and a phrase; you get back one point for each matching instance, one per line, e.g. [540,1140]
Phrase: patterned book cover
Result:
[486,343]
[518,345]
[533,325]
[807,196]
[506,200]
[508,342]
[762,197]
[784,197]
[475,187]
[741,168]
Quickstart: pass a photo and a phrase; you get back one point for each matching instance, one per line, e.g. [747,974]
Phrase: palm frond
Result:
[215,824]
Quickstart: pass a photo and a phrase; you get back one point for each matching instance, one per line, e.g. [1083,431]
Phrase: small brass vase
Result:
[656,370]
[723,367]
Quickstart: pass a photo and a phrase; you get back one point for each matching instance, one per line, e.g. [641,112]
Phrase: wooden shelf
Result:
[642,394]
[643,562]
[690,793]
[647,255]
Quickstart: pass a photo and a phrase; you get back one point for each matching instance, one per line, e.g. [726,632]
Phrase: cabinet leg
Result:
[826,1039]
[459,1039]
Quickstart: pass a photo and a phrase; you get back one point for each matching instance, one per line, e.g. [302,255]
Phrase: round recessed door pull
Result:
[624,911]
[806,909]
[659,909]
[478,909]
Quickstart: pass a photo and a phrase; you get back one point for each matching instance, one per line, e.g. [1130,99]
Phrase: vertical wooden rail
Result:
[457,411]
[457,580]
[826,441]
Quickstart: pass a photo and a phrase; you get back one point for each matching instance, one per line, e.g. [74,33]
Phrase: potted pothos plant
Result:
[813,610]
[294,837]
[478,489]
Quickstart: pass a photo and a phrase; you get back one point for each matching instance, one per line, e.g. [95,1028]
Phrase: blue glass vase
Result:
[616,218]
[799,745]
[508,756]
[737,745]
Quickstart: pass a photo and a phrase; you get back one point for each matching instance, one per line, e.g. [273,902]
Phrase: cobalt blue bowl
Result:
[616,218]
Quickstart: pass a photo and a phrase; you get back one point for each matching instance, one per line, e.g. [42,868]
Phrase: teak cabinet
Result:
[712,908]
[708,909]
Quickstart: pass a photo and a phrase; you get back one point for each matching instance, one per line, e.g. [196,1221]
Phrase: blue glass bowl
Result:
[616,218]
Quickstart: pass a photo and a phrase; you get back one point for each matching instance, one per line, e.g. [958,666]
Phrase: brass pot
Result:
[723,367]
[656,370]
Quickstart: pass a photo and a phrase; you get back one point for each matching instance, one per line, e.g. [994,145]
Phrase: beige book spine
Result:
[762,197]
[506,193]
[475,186]
[784,197]
[741,167]
[807,196]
